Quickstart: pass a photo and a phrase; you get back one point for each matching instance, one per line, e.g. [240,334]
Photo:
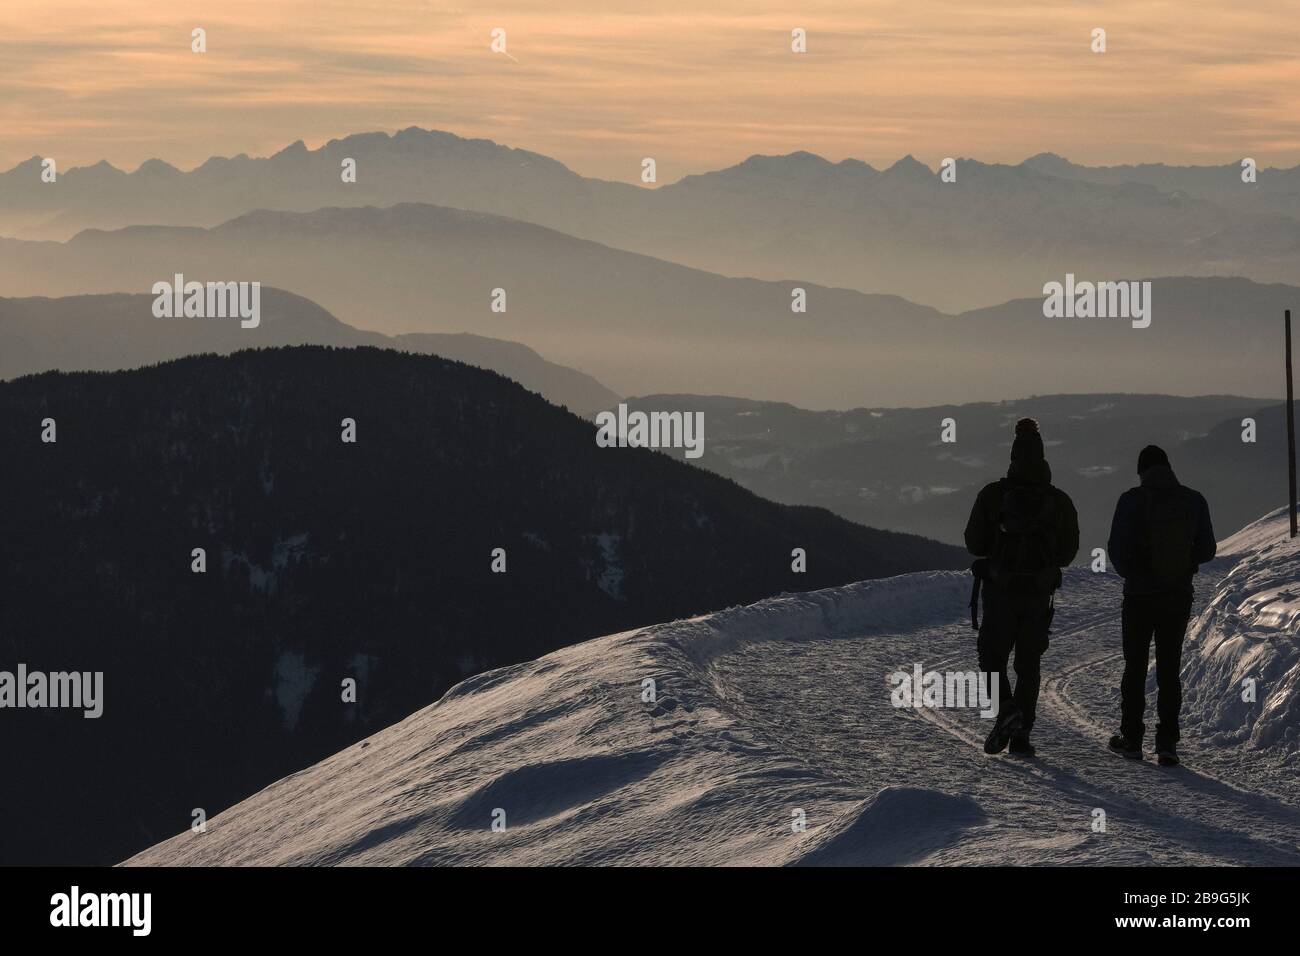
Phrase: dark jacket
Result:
[982,527]
[1128,548]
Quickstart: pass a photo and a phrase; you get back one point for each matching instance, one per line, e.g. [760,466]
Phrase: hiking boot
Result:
[1006,725]
[1125,747]
[1167,754]
[1020,745]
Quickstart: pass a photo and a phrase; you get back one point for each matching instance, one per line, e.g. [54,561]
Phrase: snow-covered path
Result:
[766,735]
[826,701]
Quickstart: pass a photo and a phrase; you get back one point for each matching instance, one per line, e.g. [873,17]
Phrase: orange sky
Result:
[697,85]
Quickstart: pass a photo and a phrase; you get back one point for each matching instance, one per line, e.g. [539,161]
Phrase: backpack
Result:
[1170,530]
[1023,556]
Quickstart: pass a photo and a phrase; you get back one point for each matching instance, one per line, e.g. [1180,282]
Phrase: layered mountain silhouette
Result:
[1274,191]
[643,325]
[111,332]
[329,561]
[998,232]
[888,468]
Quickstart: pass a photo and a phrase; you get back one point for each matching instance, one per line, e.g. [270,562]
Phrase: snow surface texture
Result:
[782,710]
[1250,634]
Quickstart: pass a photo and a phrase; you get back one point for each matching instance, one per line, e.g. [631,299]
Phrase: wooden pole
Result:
[1290,426]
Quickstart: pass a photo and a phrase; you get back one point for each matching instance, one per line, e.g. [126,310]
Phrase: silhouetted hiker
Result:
[1161,534]
[1024,530]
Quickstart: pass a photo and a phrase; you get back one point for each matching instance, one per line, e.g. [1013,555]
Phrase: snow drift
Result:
[1247,638]
[584,765]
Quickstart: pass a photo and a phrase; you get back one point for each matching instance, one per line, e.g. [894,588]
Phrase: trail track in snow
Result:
[828,701]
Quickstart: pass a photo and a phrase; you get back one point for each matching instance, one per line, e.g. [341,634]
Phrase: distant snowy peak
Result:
[911,168]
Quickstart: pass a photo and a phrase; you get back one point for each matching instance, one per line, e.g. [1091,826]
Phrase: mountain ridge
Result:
[325,560]
[643,324]
[411,135]
[116,331]
[991,233]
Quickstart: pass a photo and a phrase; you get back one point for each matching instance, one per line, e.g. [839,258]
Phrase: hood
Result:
[1032,472]
[1158,476]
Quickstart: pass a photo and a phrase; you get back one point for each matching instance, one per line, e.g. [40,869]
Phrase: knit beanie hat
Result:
[1028,443]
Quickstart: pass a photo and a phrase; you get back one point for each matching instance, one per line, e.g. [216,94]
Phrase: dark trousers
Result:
[1016,622]
[1164,618]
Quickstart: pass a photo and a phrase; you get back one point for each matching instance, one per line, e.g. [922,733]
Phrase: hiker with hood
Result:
[1024,530]
[1160,536]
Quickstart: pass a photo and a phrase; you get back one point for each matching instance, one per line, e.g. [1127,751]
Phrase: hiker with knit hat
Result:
[1160,536]
[1023,530]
